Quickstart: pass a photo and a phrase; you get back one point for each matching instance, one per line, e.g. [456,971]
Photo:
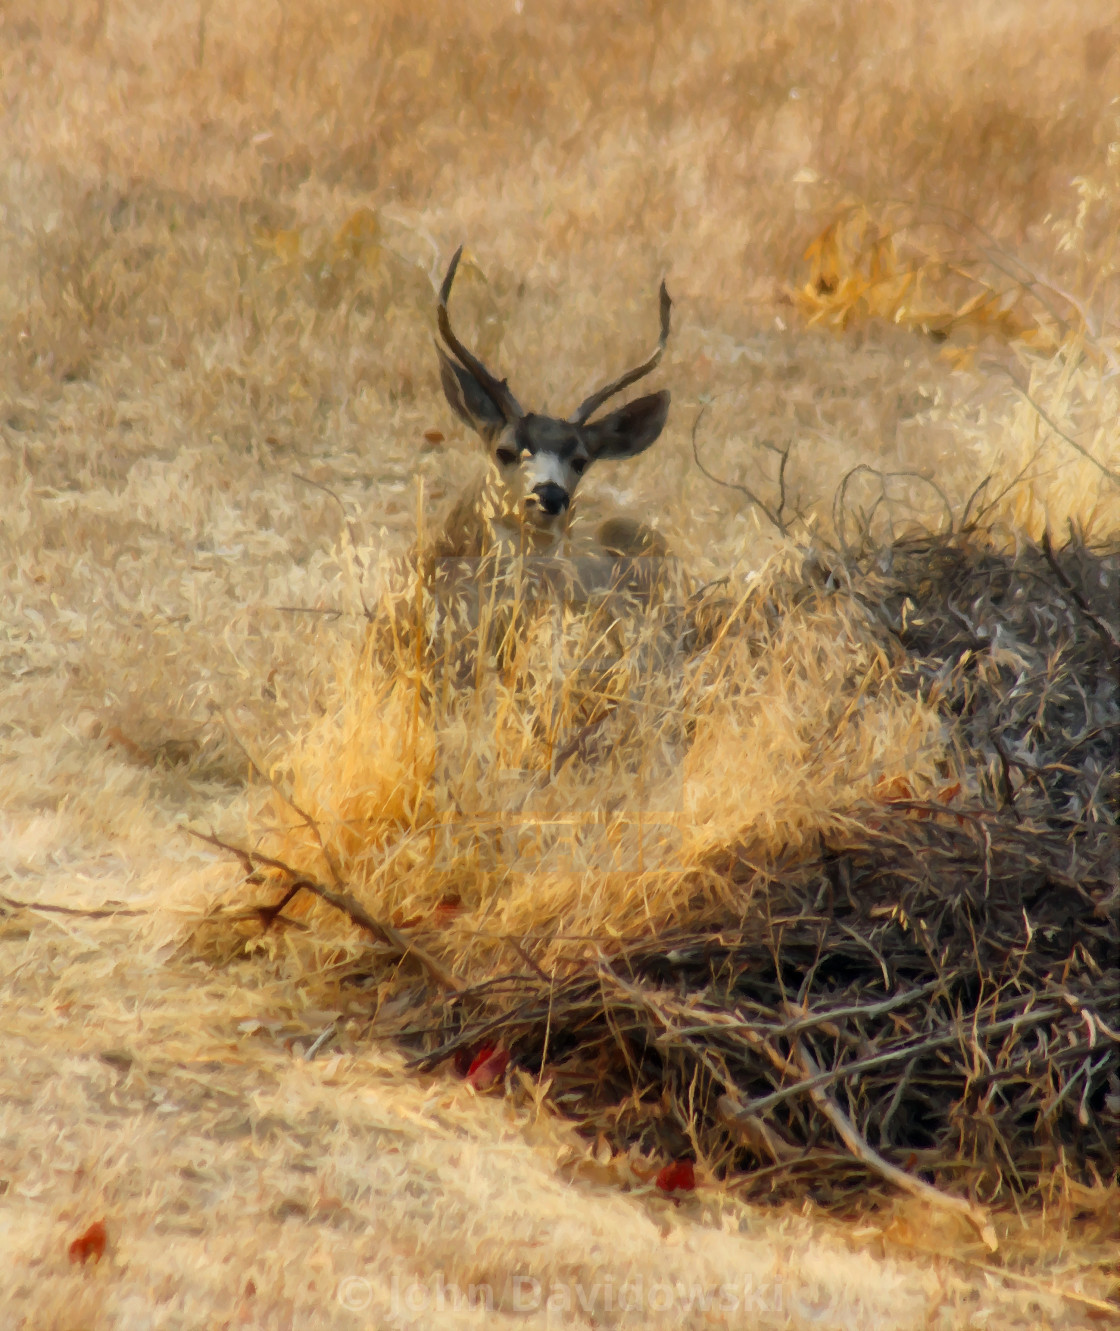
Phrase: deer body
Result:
[483,523]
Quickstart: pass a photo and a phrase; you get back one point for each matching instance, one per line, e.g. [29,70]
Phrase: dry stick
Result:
[859,1147]
[841,495]
[774,518]
[472,1036]
[344,902]
[811,1080]
[1105,630]
[528,960]
[639,998]
[1002,1273]
[857,1068]
[270,914]
[963,525]
[1113,476]
[573,746]
[309,610]
[309,821]
[349,531]
[812,1019]
[1013,267]
[96,913]
[1037,279]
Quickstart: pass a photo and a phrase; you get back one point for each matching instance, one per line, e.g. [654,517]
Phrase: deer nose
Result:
[552,498]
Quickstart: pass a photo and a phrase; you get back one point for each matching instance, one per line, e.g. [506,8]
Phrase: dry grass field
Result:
[891,235]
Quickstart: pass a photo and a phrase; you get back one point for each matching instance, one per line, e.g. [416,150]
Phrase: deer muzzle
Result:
[550,498]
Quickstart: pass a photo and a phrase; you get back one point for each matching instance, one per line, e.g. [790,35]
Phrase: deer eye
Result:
[506,456]
[579,465]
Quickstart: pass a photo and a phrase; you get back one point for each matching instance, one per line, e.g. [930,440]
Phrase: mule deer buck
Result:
[589,639]
[523,505]
[506,552]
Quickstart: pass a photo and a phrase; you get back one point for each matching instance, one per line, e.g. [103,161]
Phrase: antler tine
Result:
[596,400]
[498,389]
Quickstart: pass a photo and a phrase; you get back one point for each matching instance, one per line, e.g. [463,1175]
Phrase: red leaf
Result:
[89,1244]
[680,1176]
[475,1061]
[485,1072]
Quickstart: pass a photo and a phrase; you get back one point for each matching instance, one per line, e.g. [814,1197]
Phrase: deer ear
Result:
[469,400]
[630,430]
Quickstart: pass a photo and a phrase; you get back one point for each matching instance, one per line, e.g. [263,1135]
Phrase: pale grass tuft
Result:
[542,798]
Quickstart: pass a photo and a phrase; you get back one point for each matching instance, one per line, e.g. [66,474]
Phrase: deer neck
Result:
[507,532]
[486,521]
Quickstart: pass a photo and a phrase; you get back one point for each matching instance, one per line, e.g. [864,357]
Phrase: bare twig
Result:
[95,913]
[320,1040]
[342,901]
[1113,476]
[309,821]
[855,1143]
[883,476]
[773,517]
[351,532]
[309,610]
[1108,636]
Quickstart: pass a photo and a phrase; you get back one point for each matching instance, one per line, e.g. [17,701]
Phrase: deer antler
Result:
[596,400]
[496,389]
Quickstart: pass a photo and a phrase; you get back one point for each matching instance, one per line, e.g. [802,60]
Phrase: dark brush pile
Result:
[938,991]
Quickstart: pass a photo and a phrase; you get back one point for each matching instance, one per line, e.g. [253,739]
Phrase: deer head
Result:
[540,459]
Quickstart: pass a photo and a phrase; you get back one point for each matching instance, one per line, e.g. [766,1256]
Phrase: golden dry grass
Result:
[217,229]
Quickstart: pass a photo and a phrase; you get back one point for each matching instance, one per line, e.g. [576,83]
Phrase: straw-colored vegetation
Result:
[890,233]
